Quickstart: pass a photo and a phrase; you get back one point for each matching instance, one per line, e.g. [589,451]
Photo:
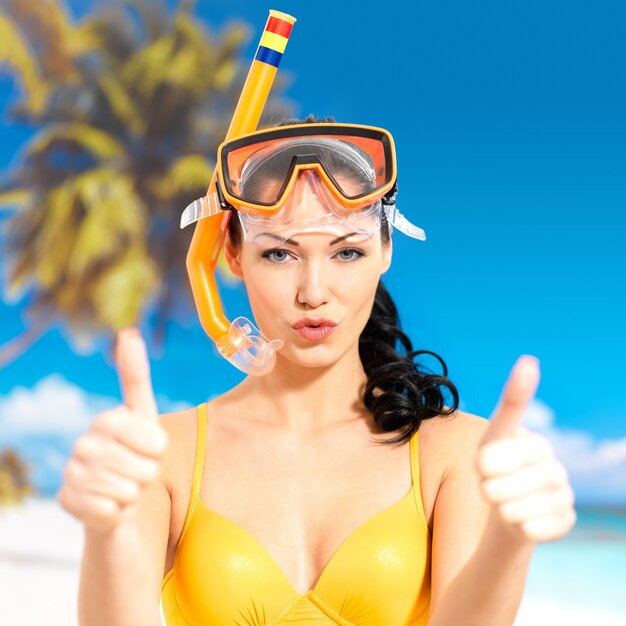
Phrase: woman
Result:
[338,488]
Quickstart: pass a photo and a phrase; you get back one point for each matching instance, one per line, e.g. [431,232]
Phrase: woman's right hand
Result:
[121,452]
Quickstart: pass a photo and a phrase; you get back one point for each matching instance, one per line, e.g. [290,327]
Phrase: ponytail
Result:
[398,393]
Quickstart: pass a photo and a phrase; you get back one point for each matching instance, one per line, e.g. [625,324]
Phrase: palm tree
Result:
[14,478]
[128,106]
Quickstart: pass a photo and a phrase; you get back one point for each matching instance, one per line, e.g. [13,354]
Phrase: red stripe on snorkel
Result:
[280,27]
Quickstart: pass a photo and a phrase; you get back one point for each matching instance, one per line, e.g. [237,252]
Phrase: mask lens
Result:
[309,207]
[259,173]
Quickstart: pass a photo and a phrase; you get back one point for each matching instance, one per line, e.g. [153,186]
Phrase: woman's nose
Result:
[313,287]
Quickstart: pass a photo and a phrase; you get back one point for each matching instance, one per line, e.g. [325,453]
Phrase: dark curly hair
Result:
[399,393]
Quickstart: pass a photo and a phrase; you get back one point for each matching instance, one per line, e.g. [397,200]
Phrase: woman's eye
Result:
[351,254]
[278,255]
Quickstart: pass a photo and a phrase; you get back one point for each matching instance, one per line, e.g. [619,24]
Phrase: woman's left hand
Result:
[521,477]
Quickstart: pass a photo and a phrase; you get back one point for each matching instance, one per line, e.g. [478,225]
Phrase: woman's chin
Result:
[314,356]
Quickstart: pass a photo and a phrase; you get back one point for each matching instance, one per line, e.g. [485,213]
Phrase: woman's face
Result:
[320,274]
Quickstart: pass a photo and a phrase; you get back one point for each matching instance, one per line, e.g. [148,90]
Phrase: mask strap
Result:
[202,207]
[397,220]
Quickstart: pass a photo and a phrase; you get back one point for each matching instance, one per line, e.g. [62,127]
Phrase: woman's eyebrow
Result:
[278,237]
[291,242]
[334,241]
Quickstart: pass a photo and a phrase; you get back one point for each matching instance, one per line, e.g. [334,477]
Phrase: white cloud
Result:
[597,469]
[52,406]
[43,423]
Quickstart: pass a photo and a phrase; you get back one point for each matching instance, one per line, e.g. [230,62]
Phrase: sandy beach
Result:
[40,551]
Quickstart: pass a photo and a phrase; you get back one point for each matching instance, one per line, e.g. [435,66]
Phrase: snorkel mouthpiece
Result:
[248,349]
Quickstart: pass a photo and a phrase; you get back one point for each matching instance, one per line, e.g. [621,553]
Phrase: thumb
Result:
[518,392]
[133,370]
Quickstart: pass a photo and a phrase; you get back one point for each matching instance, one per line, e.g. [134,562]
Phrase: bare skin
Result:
[300,498]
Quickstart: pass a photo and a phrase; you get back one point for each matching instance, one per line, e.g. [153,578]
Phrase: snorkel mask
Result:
[351,167]
[279,182]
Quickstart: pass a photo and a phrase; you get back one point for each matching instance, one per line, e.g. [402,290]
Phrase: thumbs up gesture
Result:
[121,452]
[520,476]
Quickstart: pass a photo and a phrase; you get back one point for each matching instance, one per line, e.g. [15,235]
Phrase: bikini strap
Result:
[198,468]
[415,474]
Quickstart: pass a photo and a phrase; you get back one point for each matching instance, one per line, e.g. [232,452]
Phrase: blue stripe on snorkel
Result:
[266,55]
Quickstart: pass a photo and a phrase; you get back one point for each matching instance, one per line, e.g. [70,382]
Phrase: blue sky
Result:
[510,127]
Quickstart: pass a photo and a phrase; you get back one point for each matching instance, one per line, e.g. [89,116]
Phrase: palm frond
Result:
[100,143]
[48,27]
[153,16]
[15,481]
[21,231]
[56,236]
[115,215]
[121,293]
[121,103]
[14,198]
[144,69]
[229,66]
[16,54]
[188,173]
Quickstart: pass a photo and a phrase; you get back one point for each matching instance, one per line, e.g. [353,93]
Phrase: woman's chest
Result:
[301,500]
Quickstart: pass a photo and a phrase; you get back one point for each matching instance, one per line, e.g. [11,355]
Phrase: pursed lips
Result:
[313,323]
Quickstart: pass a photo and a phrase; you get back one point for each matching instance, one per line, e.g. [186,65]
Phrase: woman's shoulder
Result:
[184,419]
[451,438]
[457,424]
[182,430]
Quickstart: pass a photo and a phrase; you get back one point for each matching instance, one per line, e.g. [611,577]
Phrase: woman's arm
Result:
[504,492]
[479,567]
[114,483]
[122,570]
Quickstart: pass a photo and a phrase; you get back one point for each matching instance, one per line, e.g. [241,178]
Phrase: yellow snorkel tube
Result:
[240,342]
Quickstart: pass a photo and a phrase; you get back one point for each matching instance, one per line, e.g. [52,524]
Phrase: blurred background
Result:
[510,127]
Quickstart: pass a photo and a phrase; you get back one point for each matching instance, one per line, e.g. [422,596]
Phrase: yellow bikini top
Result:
[379,575]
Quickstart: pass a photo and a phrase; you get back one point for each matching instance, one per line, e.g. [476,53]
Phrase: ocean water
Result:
[585,569]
